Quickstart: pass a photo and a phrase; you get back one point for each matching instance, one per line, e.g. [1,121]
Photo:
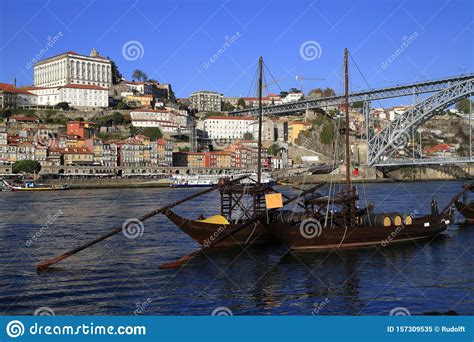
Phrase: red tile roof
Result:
[82,86]
[75,150]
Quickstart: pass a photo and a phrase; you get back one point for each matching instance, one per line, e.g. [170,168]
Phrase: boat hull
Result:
[204,233]
[465,210]
[355,237]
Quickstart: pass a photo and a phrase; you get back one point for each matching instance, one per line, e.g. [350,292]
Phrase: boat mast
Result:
[260,82]
[346,108]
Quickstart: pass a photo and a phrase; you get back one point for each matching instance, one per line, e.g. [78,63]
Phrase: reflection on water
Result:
[119,275]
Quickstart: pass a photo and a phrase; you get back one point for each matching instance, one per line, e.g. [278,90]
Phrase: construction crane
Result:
[303,78]
[265,86]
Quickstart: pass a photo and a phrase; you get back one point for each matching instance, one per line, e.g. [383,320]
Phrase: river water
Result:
[121,276]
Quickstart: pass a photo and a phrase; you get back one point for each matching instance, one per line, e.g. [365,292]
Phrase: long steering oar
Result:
[179,262]
[45,264]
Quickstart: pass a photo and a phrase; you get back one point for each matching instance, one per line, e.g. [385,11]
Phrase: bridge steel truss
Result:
[364,96]
[395,135]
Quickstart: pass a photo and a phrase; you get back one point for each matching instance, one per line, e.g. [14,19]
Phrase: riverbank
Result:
[165,183]
[112,183]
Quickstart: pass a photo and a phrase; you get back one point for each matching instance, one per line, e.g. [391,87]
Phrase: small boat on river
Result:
[203,181]
[32,186]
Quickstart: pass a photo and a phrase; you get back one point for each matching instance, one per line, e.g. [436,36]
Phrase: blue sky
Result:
[179,38]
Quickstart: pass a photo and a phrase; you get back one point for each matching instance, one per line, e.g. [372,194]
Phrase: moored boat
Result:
[202,181]
[328,222]
[466,210]
[33,186]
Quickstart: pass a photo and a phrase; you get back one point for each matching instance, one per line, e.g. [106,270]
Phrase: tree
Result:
[122,105]
[241,103]
[319,92]
[463,106]
[152,80]
[248,136]
[358,104]
[139,75]
[62,105]
[227,107]
[294,90]
[283,94]
[273,150]
[28,166]
[5,114]
[116,75]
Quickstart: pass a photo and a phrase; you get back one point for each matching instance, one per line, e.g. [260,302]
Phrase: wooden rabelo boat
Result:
[233,212]
[337,222]
[466,208]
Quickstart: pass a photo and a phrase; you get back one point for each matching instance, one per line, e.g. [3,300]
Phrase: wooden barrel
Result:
[397,219]
[408,219]
[377,220]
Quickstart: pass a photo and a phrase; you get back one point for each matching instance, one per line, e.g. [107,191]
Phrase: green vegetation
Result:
[208,114]
[320,92]
[151,132]
[248,136]
[241,103]
[62,105]
[28,166]
[463,106]
[51,116]
[227,107]
[116,118]
[273,150]
[111,136]
[320,118]
[184,149]
[139,75]
[122,105]
[327,133]
[116,75]
[5,114]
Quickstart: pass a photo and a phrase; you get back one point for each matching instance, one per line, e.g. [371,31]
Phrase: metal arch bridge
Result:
[396,134]
[365,96]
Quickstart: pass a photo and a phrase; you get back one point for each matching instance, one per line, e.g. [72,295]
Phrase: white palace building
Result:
[72,68]
[81,81]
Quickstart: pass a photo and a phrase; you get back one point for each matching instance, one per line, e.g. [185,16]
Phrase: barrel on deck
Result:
[376,220]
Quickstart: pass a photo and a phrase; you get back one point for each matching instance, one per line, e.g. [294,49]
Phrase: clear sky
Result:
[176,40]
